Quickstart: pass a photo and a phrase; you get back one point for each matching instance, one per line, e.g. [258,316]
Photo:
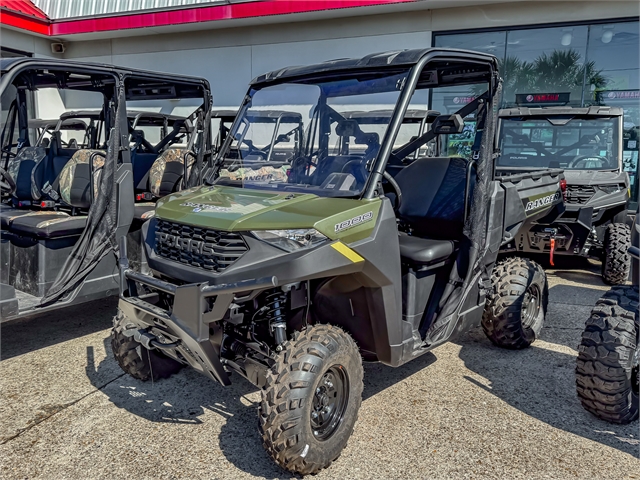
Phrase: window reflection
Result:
[595,64]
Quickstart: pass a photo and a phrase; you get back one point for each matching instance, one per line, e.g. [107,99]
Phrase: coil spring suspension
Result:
[276,303]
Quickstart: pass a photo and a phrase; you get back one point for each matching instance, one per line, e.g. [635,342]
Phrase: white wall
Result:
[229,58]
[17,40]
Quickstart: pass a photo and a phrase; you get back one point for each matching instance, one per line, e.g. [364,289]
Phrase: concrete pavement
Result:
[468,410]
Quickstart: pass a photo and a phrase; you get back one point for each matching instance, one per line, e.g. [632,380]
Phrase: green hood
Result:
[241,209]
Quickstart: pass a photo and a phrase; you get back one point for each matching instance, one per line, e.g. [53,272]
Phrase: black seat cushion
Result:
[433,196]
[47,226]
[425,251]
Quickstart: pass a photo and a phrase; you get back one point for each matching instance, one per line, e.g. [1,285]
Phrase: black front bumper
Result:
[187,322]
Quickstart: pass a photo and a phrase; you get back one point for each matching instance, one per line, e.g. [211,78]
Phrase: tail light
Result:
[563,189]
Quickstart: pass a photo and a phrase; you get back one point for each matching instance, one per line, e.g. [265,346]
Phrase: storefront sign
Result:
[608,96]
[542,98]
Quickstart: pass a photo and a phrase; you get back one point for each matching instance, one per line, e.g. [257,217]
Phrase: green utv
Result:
[291,273]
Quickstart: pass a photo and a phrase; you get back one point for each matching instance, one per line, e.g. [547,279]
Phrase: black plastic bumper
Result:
[195,306]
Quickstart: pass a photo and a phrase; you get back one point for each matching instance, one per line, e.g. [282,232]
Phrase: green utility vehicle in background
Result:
[290,274]
[587,144]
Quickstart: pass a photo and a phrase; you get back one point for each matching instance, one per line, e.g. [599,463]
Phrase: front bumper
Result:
[187,321]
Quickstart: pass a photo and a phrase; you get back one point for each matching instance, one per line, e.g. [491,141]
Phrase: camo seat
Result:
[167,171]
[74,189]
[75,179]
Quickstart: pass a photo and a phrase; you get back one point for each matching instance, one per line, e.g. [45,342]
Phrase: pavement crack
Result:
[49,411]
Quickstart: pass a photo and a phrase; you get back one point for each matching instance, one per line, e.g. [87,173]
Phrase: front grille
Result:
[579,194]
[211,250]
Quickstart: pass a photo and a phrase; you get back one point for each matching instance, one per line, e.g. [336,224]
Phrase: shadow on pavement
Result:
[47,329]
[187,396]
[540,383]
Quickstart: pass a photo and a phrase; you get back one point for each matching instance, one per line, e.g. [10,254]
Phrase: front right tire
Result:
[609,357]
[311,399]
[517,303]
[136,360]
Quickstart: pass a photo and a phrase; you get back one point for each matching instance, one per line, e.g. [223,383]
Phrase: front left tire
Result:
[311,399]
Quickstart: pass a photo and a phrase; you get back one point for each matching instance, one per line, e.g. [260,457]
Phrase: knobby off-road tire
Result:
[617,261]
[135,359]
[319,368]
[607,365]
[517,303]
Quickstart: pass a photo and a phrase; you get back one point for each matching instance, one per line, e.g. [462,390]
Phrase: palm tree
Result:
[560,70]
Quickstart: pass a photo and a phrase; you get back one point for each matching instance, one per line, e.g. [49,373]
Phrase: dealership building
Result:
[581,53]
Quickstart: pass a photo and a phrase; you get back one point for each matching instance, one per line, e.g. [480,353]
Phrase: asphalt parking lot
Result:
[469,410]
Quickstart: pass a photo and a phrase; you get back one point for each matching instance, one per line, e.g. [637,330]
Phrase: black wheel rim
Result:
[329,402]
[531,306]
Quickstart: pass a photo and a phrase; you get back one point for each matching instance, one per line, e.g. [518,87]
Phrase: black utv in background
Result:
[290,274]
[608,365]
[70,191]
[587,144]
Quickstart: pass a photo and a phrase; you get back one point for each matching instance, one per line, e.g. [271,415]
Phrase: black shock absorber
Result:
[276,303]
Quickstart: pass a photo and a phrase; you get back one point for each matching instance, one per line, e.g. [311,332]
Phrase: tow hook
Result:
[552,243]
[148,340]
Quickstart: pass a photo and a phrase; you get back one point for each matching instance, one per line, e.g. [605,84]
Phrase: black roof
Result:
[69,123]
[413,114]
[7,64]
[384,60]
[273,116]
[596,111]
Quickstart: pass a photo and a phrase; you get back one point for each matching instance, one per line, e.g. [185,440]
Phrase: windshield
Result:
[568,143]
[298,137]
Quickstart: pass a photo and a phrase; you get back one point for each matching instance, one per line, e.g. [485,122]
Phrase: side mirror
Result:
[448,124]
[283,138]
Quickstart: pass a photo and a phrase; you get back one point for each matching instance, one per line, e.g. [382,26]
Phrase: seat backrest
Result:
[74,183]
[21,167]
[433,196]
[141,164]
[167,171]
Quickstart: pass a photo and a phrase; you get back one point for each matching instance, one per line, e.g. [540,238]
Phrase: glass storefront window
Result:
[580,65]
[549,60]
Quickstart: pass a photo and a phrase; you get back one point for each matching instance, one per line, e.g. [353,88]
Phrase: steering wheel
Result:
[396,188]
[581,158]
[7,185]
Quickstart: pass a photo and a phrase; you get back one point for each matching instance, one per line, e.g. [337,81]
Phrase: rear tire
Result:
[617,261]
[136,360]
[311,400]
[608,357]
[517,304]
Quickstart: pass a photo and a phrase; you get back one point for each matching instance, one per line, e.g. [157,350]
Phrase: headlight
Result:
[611,188]
[291,240]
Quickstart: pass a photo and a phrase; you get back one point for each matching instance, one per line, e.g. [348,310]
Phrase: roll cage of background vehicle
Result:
[401,77]
[67,205]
